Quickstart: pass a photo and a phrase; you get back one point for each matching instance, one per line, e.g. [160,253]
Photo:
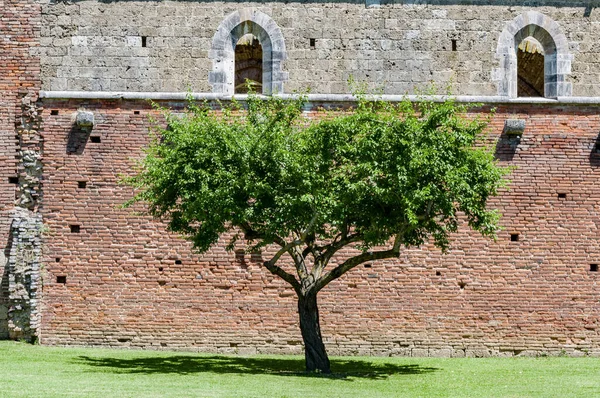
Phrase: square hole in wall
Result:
[54,112]
[136,112]
[514,237]
[178,262]
[438,273]
[256,257]
[594,267]
[95,139]
[81,184]
[144,41]
[368,265]
[57,259]
[61,279]
[75,229]
[562,195]
[313,42]
[13,180]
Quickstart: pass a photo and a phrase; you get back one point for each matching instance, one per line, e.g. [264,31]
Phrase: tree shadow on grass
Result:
[187,364]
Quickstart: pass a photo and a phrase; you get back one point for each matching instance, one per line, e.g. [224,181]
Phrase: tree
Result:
[379,178]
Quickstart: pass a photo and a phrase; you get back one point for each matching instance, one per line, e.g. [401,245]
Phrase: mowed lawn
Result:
[35,371]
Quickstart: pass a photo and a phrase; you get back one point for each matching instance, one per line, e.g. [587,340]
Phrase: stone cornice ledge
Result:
[180,96]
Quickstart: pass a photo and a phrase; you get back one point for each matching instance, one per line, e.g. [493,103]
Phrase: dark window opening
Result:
[368,265]
[57,259]
[54,112]
[144,41]
[61,279]
[136,112]
[530,68]
[13,180]
[160,269]
[313,42]
[514,237]
[438,273]
[454,44]
[95,139]
[562,195]
[81,184]
[75,229]
[594,267]
[178,262]
[248,65]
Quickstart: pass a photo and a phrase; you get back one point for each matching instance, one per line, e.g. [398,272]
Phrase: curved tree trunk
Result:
[314,349]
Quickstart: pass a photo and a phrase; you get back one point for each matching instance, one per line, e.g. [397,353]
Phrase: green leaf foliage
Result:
[379,171]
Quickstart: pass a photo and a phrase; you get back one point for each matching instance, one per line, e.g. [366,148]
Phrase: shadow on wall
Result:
[78,137]
[595,153]
[506,146]
[189,364]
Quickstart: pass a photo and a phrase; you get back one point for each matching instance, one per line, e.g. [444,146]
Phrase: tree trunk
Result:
[314,349]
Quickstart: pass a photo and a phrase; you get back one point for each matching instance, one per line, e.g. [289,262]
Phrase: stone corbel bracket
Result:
[514,127]
[84,120]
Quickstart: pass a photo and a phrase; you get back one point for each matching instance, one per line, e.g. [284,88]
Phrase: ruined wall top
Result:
[166,46]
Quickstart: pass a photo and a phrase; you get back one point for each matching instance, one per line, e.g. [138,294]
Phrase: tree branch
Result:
[311,224]
[427,212]
[352,262]
[322,260]
[292,249]
[286,276]
[283,250]
[286,247]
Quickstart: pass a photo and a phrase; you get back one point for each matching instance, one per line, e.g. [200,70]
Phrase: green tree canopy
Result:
[379,177]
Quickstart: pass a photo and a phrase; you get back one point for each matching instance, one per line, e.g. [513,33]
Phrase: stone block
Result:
[85,119]
[514,126]
[419,352]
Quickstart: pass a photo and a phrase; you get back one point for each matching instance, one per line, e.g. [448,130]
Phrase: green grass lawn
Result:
[34,371]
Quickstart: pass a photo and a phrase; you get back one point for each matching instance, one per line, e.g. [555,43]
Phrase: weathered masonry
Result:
[78,269]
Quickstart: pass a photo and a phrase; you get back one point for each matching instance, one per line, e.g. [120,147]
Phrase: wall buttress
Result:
[25,240]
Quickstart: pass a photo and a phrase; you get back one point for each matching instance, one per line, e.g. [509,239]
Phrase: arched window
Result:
[534,58]
[237,47]
[248,65]
[530,68]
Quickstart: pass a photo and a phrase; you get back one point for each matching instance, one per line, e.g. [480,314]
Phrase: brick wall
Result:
[19,75]
[131,284]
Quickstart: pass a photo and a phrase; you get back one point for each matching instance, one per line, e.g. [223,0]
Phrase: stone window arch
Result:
[557,59]
[235,26]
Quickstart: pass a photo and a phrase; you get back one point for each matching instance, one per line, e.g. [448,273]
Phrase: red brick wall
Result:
[124,287]
[19,75]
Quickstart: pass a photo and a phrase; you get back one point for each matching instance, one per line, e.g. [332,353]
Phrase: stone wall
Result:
[401,45]
[19,79]
[24,246]
[115,278]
